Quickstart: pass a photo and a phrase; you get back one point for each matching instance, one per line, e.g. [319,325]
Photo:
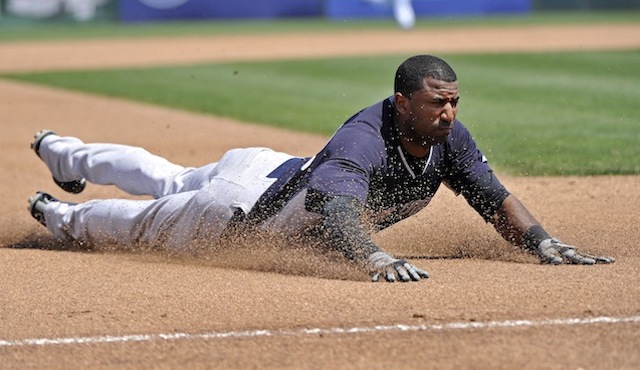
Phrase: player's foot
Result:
[75,186]
[37,202]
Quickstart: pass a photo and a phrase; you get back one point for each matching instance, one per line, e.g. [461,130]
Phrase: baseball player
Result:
[382,165]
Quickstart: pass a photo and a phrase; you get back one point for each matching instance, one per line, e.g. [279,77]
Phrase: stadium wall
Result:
[22,12]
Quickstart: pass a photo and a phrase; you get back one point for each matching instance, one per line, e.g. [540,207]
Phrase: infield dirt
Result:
[52,293]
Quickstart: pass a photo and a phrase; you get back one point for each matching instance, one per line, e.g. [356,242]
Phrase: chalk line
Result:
[317,331]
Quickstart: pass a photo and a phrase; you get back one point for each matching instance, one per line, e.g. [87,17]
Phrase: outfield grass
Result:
[532,114]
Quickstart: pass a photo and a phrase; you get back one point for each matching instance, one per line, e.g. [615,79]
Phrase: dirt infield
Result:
[62,309]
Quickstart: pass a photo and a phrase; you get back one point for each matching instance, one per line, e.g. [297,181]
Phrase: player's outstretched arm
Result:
[514,222]
[347,234]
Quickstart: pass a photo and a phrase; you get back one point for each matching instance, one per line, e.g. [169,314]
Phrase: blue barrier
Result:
[153,10]
[156,10]
[348,9]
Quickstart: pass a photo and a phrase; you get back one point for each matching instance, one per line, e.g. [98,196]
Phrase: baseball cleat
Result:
[36,206]
[75,186]
[37,140]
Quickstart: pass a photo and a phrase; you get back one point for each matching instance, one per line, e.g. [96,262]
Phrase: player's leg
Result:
[131,169]
[171,222]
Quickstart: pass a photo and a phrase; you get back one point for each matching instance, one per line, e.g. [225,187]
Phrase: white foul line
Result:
[318,331]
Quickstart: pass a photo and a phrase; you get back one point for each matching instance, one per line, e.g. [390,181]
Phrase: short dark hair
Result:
[412,72]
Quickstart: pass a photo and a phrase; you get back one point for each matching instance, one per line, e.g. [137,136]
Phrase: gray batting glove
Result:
[555,252]
[381,263]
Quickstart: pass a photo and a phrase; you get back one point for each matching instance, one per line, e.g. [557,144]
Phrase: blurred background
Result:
[129,11]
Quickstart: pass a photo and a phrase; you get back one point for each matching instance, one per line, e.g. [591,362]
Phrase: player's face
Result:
[426,117]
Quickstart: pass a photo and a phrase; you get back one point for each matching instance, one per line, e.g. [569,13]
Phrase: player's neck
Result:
[409,141]
[415,149]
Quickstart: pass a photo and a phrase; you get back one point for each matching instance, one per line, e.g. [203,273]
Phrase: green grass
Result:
[69,30]
[311,96]
[532,114]
[555,113]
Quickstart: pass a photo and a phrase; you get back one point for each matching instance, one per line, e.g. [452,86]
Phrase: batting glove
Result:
[555,252]
[392,269]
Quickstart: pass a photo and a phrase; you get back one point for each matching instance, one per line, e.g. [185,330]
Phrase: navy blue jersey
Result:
[365,160]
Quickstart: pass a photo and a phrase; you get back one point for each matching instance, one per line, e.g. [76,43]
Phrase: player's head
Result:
[412,72]
[426,102]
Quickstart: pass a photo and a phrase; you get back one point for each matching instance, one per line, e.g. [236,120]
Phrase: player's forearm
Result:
[344,229]
[519,227]
[516,224]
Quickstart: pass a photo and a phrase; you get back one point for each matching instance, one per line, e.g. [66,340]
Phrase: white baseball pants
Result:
[191,203]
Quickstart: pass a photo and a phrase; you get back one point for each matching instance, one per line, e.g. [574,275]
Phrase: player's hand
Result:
[393,269]
[555,252]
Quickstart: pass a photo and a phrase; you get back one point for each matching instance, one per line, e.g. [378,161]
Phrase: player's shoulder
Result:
[361,136]
[460,139]
[368,123]
[372,116]
[460,132]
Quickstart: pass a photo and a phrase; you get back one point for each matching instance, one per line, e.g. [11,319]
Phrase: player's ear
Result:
[402,103]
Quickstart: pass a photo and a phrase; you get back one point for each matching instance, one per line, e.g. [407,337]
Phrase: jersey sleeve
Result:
[346,164]
[470,174]
[465,162]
